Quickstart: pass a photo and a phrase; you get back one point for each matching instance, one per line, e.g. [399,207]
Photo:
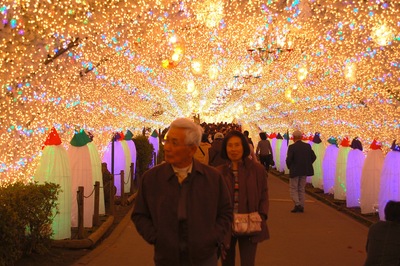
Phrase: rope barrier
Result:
[89,195]
[129,176]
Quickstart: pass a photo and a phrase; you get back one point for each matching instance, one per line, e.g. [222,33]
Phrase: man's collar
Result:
[197,167]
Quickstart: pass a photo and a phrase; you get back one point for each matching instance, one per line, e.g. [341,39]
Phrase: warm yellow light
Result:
[197,67]
[290,44]
[165,63]
[173,39]
[382,34]
[210,12]
[190,86]
[213,72]
[175,57]
[280,41]
[350,72]
[302,73]
[288,94]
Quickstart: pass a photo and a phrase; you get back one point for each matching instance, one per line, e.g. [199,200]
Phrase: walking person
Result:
[201,153]
[252,154]
[183,207]
[299,160]
[247,184]
[214,152]
[264,151]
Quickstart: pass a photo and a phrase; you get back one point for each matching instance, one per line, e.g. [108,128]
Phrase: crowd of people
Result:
[211,194]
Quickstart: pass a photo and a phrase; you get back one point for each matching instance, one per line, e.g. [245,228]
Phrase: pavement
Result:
[321,235]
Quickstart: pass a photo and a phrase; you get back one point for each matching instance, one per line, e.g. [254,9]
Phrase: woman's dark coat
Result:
[253,188]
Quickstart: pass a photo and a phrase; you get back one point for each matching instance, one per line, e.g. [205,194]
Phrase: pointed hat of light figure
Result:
[375,145]
[286,136]
[395,147]
[116,136]
[272,135]
[317,138]
[154,134]
[279,136]
[90,135]
[332,140]
[128,135]
[356,144]
[53,138]
[121,136]
[345,142]
[80,139]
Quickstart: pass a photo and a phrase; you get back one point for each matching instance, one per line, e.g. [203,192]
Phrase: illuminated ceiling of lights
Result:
[110,65]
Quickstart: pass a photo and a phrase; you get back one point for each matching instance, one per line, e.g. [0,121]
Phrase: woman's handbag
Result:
[246,223]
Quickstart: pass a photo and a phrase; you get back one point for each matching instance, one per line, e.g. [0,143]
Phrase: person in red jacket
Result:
[299,160]
[183,207]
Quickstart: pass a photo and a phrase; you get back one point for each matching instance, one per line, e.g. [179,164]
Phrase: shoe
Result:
[296,209]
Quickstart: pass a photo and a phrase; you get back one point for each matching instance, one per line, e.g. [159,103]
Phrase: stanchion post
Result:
[96,203]
[132,176]
[81,230]
[122,188]
[111,195]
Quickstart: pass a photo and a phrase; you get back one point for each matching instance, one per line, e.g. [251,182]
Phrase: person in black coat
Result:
[383,242]
[299,160]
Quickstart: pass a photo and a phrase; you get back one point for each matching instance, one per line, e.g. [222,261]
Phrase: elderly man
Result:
[299,160]
[183,207]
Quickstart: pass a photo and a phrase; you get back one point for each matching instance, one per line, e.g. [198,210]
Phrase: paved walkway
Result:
[319,236]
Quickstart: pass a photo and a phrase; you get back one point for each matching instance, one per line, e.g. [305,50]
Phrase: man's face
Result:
[176,152]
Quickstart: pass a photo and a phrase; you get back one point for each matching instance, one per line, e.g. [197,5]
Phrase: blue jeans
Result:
[297,186]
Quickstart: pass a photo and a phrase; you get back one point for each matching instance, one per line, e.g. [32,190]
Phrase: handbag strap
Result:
[202,151]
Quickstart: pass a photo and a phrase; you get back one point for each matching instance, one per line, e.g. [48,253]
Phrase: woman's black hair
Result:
[204,137]
[263,135]
[392,211]
[245,144]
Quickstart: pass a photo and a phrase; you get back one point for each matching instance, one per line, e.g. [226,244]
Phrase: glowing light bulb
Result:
[190,86]
[197,67]
[302,73]
[288,93]
[173,39]
[350,72]
[213,72]
[382,34]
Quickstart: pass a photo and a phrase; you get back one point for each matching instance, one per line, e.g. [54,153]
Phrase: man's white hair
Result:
[193,131]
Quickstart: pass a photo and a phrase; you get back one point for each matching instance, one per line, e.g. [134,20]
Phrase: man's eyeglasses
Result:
[173,142]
